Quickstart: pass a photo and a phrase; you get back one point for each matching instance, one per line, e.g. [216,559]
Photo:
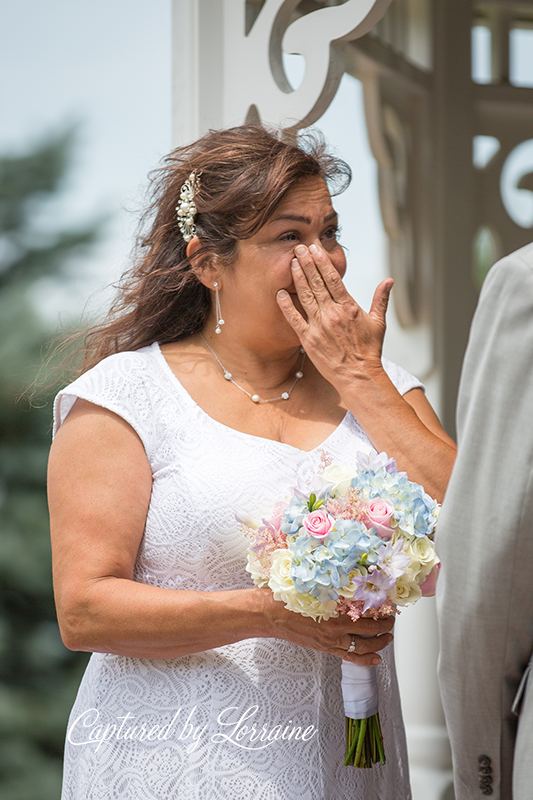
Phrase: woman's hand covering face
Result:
[339,337]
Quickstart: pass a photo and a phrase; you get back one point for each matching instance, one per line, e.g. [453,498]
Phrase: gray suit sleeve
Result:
[485,539]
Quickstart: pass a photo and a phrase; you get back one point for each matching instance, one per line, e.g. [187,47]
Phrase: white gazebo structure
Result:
[453,144]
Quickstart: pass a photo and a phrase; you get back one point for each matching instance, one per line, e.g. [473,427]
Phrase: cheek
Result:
[282,272]
[338,260]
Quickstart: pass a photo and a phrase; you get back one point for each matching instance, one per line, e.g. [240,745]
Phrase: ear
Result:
[206,270]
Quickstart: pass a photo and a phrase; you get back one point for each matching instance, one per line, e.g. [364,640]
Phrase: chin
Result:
[285,335]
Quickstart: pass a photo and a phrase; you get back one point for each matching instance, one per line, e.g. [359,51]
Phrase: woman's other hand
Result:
[330,636]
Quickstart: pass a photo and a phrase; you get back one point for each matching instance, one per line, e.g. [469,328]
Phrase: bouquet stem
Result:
[364,742]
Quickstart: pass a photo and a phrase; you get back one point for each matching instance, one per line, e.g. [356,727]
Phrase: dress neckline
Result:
[193,404]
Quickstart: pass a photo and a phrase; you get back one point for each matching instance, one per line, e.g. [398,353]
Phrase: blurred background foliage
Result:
[38,675]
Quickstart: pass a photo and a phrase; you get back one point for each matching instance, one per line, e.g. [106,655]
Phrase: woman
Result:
[199,403]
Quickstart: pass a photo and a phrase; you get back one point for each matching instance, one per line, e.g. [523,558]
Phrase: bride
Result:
[231,365]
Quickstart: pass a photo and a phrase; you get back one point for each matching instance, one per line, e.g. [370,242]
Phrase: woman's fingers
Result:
[372,636]
[337,334]
[365,650]
[367,626]
[307,277]
[380,301]
[322,278]
[307,294]
[330,277]
[291,313]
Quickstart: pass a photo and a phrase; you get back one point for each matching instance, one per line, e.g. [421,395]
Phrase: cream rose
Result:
[280,578]
[341,478]
[406,592]
[309,606]
[256,569]
[422,550]
[283,589]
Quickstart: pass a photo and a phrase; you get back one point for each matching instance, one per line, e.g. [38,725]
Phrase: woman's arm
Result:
[345,343]
[100,484]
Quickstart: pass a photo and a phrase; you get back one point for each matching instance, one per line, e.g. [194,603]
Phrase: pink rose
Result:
[318,523]
[274,522]
[378,515]
[429,586]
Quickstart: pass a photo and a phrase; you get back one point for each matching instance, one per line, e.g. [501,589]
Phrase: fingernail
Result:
[300,250]
[282,293]
[294,263]
[376,661]
[313,249]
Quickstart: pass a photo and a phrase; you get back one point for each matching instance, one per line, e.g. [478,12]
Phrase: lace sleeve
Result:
[123,383]
[402,379]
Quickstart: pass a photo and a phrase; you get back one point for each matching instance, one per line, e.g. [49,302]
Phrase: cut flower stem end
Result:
[364,742]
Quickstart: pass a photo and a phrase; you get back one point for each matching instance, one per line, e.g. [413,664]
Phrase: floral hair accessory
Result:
[186,208]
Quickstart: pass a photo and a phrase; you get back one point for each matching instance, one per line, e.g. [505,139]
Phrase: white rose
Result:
[309,606]
[415,567]
[406,592]
[280,579]
[421,549]
[422,553]
[256,569]
[283,589]
[341,478]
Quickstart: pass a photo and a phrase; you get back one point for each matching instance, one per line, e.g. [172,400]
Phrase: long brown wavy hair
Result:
[245,173]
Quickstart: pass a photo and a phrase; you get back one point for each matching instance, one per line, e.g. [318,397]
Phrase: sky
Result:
[103,66]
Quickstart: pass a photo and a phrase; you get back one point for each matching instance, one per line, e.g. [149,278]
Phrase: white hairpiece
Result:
[186,208]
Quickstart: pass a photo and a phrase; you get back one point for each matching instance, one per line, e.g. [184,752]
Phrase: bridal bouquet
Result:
[357,541]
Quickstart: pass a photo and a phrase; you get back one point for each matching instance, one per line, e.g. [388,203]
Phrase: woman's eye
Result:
[290,236]
[332,233]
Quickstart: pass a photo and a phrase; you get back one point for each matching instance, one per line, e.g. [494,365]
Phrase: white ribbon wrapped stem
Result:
[359,690]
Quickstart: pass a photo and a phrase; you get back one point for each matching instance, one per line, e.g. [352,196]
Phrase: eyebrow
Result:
[306,220]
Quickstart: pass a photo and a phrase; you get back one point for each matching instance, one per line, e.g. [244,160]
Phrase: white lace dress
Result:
[258,719]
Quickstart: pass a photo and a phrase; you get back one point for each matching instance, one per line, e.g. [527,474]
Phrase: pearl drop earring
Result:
[218,312]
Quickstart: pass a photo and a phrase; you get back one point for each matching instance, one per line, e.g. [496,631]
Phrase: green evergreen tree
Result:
[38,675]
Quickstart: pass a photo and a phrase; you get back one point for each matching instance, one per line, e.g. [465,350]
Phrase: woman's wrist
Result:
[366,372]
[268,612]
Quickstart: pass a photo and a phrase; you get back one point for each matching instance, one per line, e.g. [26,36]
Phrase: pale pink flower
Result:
[429,586]
[277,515]
[378,515]
[318,523]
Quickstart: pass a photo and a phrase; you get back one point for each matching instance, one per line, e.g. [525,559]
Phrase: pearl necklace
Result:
[255,397]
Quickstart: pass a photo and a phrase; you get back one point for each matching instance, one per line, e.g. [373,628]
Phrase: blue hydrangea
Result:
[321,567]
[291,521]
[415,511]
